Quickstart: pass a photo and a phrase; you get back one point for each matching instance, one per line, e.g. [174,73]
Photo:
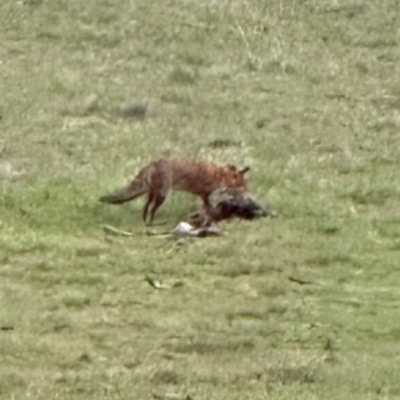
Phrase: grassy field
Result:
[305,92]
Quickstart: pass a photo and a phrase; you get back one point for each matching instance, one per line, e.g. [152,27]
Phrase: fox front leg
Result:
[208,219]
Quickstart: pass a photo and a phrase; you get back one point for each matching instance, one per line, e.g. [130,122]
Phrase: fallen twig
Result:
[117,232]
[300,281]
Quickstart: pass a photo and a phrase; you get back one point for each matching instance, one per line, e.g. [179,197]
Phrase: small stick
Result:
[300,281]
[117,232]
[249,54]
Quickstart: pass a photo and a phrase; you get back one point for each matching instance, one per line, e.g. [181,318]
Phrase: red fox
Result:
[159,177]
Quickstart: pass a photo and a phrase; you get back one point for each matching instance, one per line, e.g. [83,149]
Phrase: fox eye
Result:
[232,167]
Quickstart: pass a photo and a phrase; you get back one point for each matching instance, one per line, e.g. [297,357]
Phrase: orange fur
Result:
[196,177]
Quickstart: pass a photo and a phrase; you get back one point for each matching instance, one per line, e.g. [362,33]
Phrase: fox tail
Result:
[130,192]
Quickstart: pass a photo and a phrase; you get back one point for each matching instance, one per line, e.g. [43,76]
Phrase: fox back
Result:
[202,178]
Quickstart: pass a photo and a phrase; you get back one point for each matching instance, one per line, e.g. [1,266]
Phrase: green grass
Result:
[306,93]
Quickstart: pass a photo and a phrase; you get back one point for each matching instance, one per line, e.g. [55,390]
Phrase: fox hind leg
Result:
[154,202]
[159,186]
[157,203]
[150,199]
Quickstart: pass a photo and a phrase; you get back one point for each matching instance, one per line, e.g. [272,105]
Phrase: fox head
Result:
[241,171]
[237,177]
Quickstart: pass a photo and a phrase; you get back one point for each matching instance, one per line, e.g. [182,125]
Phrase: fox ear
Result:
[231,167]
[244,170]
